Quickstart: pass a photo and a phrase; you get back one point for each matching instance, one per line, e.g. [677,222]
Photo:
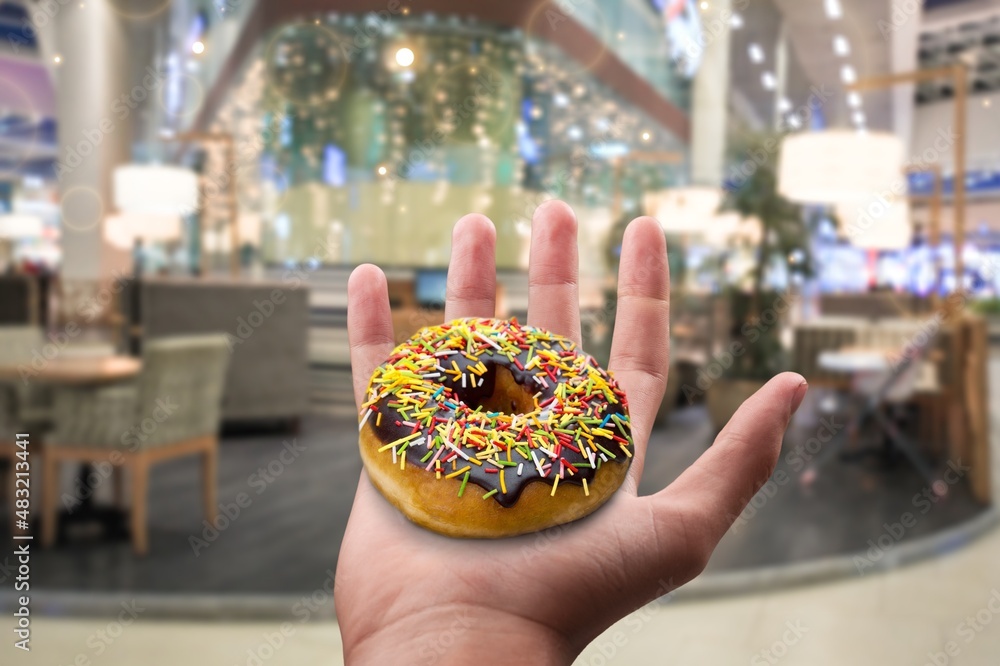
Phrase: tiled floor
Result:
[908,616]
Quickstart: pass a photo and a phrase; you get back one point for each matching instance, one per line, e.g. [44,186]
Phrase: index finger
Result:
[369,325]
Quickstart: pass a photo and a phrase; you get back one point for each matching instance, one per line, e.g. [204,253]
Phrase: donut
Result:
[484,428]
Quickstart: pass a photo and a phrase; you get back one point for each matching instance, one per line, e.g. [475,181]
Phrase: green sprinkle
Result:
[604,449]
[465,480]
[430,453]
[491,493]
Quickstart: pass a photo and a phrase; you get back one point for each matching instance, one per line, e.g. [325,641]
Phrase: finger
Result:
[713,491]
[640,349]
[553,271]
[472,273]
[369,325]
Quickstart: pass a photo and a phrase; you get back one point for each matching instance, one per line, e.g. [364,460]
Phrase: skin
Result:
[407,595]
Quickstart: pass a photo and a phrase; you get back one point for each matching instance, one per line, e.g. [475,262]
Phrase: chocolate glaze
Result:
[391,428]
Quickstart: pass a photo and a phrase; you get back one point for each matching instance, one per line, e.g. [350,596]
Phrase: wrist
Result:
[457,634]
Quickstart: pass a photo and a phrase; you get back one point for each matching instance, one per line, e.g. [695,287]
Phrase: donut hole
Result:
[508,397]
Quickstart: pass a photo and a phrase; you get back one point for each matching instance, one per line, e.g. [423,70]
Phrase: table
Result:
[75,371]
[80,371]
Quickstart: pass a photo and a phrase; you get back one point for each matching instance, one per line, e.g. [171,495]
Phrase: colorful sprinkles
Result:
[426,404]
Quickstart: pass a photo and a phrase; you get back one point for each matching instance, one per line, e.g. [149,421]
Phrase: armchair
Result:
[32,403]
[171,410]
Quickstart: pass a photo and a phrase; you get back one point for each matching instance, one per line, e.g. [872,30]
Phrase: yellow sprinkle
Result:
[378,420]
[503,484]
[459,472]
[554,486]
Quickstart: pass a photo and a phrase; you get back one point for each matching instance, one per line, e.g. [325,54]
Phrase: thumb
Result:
[713,491]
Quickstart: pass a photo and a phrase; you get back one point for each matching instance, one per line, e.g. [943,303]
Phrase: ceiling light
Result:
[848,75]
[794,121]
[736,21]
[646,136]
[198,48]
[404,57]
[858,117]
[756,53]
[853,99]
[704,6]
[833,9]
[768,81]
[784,105]
[841,46]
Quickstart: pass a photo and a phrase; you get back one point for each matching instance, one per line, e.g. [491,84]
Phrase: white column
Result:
[710,98]
[94,127]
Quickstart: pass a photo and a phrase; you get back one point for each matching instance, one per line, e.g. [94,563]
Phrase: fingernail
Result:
[800,393]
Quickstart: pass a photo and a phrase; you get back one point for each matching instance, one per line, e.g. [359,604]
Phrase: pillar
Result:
[710,98]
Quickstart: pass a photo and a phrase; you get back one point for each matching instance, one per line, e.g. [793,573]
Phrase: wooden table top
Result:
[74,371]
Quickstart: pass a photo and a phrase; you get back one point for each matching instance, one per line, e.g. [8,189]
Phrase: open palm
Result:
[408,596]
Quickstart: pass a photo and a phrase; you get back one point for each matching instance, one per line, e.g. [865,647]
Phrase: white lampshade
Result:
[250,228]
[720,229]
[123,230]
[839,165]
[155,189]
[684,210]
[18,226]
[877,224]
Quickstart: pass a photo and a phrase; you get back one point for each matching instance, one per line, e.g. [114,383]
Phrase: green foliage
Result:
[753,192]
[988,307]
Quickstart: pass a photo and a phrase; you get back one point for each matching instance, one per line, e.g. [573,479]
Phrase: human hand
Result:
[405,595]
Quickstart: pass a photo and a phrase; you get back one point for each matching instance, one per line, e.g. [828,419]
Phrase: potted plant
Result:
[755,353]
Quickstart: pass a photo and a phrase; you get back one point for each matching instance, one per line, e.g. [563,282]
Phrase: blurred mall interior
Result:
[826,172]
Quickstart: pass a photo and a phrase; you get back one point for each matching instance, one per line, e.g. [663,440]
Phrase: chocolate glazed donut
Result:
[484,428]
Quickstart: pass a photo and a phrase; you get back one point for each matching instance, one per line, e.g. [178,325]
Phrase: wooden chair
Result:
[172,410]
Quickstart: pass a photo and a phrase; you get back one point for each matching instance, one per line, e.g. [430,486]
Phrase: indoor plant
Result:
[756,353]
